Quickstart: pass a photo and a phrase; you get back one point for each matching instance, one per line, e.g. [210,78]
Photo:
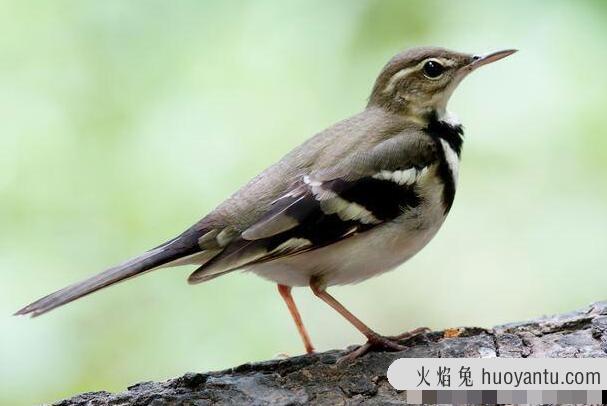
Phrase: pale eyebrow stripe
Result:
[405,71]
[397,76]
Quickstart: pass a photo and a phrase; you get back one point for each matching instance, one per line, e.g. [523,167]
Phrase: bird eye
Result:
[433,69]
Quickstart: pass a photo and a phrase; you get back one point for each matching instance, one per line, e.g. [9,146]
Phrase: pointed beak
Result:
[480,60]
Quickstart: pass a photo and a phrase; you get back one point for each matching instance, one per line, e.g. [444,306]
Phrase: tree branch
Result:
[316,379]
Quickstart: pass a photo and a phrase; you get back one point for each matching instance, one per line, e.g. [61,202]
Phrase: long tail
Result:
[164,254]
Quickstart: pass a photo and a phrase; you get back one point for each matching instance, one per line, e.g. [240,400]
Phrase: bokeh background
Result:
[124,122]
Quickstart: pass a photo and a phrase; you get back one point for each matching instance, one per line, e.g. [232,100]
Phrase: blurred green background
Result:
[124,122]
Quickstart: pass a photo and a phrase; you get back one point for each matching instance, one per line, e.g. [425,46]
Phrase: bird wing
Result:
[347,179]
[330,204]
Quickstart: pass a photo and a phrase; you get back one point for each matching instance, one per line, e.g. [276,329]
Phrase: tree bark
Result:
[316,379]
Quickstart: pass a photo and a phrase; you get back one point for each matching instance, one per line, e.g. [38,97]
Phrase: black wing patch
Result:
[385,199]
[320,214]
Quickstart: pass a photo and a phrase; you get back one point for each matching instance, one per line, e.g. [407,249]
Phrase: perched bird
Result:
[354,201]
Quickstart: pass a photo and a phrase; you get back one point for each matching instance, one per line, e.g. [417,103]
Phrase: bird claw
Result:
[374,343]
[410,334]
[381,343]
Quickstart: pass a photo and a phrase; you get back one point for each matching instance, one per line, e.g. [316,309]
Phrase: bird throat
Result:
[441,127]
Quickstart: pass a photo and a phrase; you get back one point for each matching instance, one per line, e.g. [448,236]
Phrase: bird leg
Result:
[285,293]
[374,340]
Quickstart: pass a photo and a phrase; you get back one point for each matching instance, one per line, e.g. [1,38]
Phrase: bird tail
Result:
[171,251]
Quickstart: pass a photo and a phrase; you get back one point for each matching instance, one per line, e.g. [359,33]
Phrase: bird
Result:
[352,202]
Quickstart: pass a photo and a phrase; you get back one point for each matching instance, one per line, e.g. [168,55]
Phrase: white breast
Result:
[367,254]
[452,159]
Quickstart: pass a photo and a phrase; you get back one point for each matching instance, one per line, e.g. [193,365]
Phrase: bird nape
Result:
[357,199]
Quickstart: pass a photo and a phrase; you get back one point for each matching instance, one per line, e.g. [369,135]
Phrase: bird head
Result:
[420,81]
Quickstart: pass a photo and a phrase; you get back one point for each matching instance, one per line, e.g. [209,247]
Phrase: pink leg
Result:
[374,340]
[285,292]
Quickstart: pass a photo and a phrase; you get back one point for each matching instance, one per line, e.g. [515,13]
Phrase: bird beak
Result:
[480,60]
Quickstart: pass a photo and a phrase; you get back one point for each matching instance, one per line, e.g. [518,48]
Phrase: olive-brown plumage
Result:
[355,200]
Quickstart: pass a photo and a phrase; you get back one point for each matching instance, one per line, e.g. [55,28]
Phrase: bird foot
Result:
[381,343]
[375,343]
[410,334]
